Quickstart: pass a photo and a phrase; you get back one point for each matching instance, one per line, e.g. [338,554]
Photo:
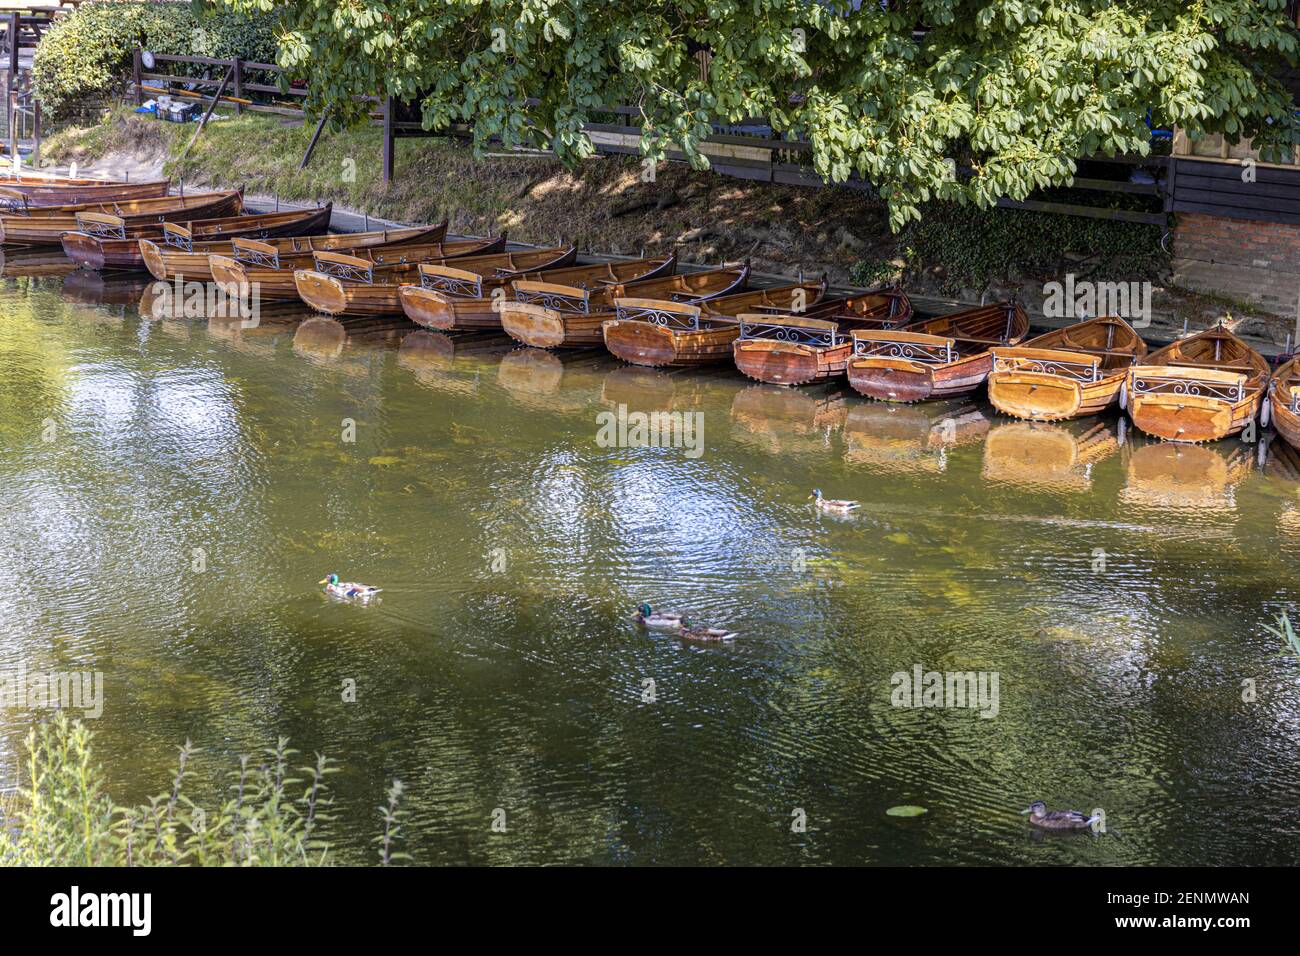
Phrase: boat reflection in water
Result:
[30,263]
[450,363]
[1048,456]
[87,287]
[782,420]
[914,439]
[639,389]
[552,381]
[1202,477]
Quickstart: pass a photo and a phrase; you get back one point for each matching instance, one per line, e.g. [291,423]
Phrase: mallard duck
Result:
[347,589]
[1040,816]
[658,620]
[831,504]
[702,632]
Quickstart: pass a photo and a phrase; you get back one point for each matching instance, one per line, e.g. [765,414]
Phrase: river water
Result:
[171,492]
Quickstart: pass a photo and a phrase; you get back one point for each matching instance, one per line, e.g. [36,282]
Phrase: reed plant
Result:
[1286,632]
[273,814]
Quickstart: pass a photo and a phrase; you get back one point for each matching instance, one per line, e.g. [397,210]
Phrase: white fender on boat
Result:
[1265,412]
[1123,395]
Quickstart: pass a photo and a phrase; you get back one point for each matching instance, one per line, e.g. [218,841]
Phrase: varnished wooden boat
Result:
[1283,409]
[45,225]
[24,192]
[658,332]
[261,263]
[939,358]
[797,349]
[547,314]
[460,298]
[174,258]
[1201,388]
[1068,373]
[101,244]
[345,285]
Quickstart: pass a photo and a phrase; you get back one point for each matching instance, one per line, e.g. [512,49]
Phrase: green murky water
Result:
[1118,589]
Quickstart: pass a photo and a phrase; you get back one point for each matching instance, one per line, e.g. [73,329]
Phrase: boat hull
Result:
[446,313]
[1191,418]
[1042,397]
[39,193]
[1285,421]
[789,363]
[48,230]
[644,343]
[545,328]
[901,380]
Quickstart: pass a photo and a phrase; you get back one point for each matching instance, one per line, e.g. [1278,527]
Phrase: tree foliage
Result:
[87,53]
[902,92]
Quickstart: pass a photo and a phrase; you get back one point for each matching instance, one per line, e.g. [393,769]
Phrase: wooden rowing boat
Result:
[1283,408]
[103,244]
[45,225]
[261,264]
[464,297]
[797,349]
[1068,373]
[1201,388]
[345,285]
[548,314]
[176,257]
[939,358]
[25,192]
[659,332]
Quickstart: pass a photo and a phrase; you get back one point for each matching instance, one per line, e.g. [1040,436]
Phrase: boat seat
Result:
[1222,367]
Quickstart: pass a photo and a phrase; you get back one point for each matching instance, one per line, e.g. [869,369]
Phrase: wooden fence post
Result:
[239,85]
[135,77]
[388,140]
[11,79]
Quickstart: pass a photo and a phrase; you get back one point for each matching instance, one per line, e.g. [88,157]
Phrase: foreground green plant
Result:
[64,817]
[1286,632]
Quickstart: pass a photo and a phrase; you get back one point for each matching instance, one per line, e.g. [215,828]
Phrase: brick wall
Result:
[1258,262]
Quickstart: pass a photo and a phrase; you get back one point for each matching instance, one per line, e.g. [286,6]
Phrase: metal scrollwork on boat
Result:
[794,334]
[346,271]
[453,285]
[257,257]
[1196,388]
[102,230]
[929,353]
[669,320]
[177,239]
[554,300]
[1078,371]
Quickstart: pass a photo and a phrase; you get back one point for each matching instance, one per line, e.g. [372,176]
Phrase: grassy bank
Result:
[605,206]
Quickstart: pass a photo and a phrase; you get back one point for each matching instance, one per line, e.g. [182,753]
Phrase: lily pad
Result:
[906,811]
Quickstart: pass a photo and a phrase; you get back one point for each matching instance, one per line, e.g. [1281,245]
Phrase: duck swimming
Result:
[347,589]
[700,632]
[657,620]
[831,504]
[1040,816]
